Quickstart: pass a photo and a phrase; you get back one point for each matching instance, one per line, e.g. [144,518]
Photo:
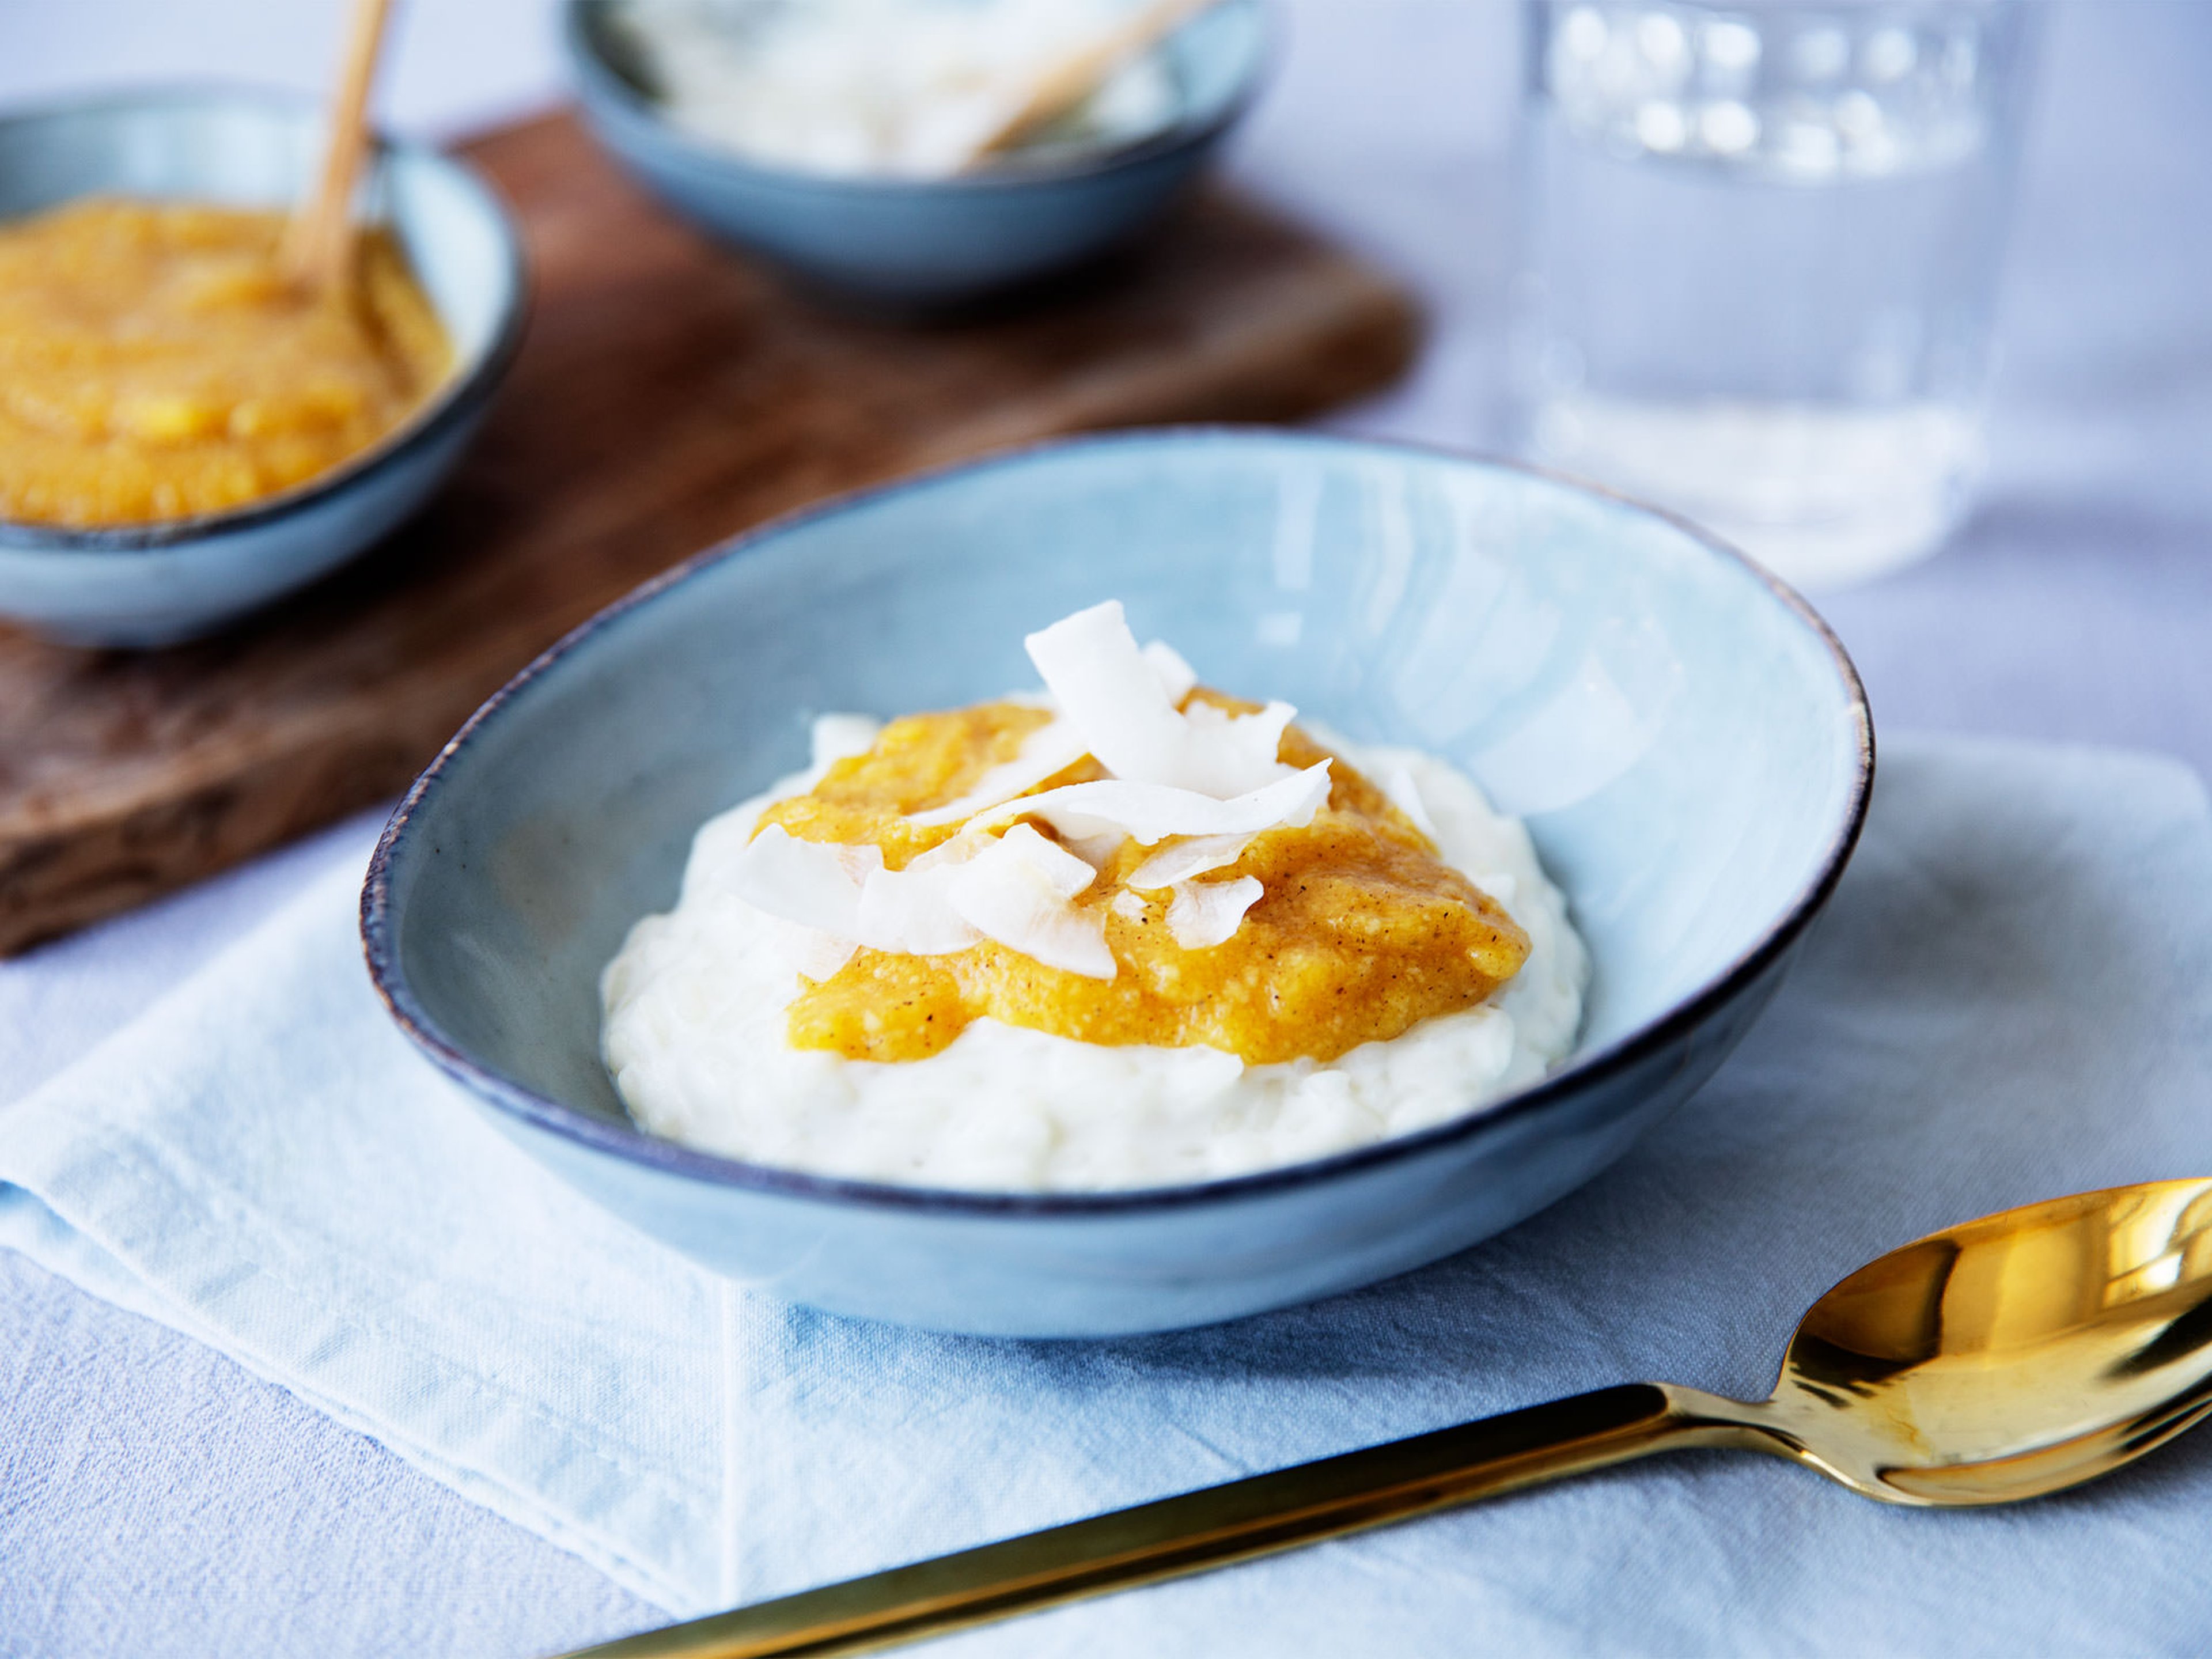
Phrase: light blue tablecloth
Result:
[2007,1000]
[157,1498]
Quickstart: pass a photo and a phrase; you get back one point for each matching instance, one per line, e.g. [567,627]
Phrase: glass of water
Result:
[1759,262]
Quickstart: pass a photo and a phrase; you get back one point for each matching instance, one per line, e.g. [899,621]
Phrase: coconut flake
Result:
[1228,755]
[1205,913]
[1206,779]
[1013,888]
[1053,747]
[911,910]
[1065,873]
[1176,676]
[1109,692]
[1097,851]
[815,883]
[1017,890]
[1186,859]
[1151,812]
[1118,698]
[1127,906]
[1238,746]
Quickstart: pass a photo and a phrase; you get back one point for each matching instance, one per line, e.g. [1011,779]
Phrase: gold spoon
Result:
[2014,1355]
[318,252]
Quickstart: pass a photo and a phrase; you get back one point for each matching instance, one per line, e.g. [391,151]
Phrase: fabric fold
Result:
[2011,996]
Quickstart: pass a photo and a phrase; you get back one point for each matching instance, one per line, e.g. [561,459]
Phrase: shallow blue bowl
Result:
[926,243]
[154,584]
[1689,743]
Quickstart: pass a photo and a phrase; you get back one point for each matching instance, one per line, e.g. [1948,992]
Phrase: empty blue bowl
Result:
[157,583]
[1689,744]
[924,243]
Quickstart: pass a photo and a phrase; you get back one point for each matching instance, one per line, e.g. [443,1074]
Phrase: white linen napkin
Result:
[2010,998]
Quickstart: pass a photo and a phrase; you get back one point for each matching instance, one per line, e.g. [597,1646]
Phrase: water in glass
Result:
[1760,253]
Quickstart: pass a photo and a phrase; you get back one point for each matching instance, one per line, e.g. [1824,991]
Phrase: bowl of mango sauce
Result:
[185,434]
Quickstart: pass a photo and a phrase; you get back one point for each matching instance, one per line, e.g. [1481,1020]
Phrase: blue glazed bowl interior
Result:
[1688,745]
[257,150]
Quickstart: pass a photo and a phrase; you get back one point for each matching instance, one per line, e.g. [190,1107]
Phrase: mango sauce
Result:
[154,363]
[1362,932]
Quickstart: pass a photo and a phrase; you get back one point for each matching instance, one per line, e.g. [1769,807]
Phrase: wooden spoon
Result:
[318,252]
[1067,81]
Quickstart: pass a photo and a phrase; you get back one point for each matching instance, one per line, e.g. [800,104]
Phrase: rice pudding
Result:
[1130,933]
[887,89]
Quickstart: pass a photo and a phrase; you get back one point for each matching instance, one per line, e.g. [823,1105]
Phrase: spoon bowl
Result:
[2010,1357]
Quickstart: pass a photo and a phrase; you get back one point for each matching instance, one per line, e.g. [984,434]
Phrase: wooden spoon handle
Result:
[319,243]
[1206,1528]
[1066,83]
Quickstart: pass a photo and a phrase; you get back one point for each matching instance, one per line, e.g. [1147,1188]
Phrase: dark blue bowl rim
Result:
[626,1141]
[460,401]
[607,93]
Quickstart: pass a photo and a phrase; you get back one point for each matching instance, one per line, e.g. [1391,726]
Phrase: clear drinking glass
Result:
[1759,259]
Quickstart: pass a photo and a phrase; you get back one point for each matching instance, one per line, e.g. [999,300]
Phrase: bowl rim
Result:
[457,401]
[606,89]
[633,1144]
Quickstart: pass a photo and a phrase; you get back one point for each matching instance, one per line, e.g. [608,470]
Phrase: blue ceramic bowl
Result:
[1689,743]
[157,583]
[924,243]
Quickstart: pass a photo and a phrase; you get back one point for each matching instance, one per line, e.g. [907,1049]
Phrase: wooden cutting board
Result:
[667,395]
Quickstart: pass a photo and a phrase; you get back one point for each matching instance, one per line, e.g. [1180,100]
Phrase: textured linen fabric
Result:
[261,1162]
[156,1498]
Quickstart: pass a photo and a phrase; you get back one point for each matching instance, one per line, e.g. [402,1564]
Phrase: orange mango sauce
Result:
[1363,931]
[154,362]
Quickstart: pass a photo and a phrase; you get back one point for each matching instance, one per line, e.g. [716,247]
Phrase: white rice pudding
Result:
[897,89]
[695,1040]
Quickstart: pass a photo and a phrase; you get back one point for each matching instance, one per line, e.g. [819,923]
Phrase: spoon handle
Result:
[319,242]
[1072,78]
[1209,1528]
